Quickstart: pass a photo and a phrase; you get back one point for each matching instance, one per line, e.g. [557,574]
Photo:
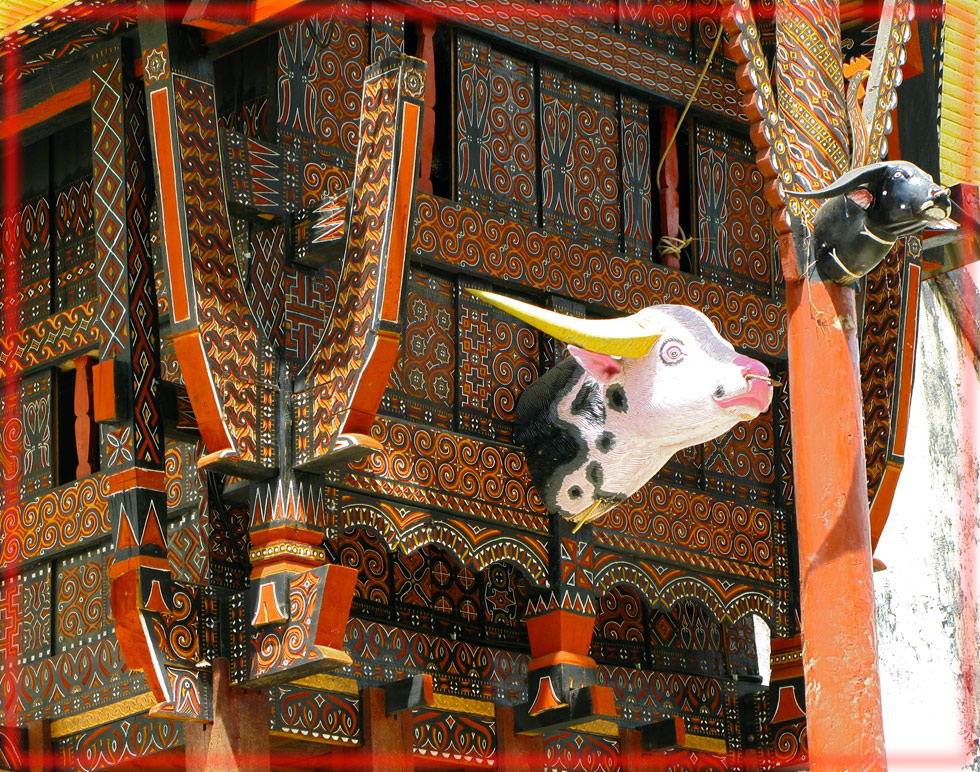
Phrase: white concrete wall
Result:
[930,714]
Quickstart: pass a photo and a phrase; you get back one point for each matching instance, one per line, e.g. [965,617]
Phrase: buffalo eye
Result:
[672,352]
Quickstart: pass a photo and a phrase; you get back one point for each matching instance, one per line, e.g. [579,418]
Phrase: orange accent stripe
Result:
[197,377]
[881,507]
[50,107]
[372,384]
[264,10]
[173,240]
[908,362]
[121,567]
[400,212]
[136,477]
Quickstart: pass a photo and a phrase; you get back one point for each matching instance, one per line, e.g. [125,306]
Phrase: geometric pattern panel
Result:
[499,358]
[580,193]
[27,236]
[320,80]
[428,590]
[37,411]
[879,357]
[188,546]
[666,26]
[684,638]
[453,738]
[637,156]
[319,99]
[81,596]
[695,529]
[468,239]
[55,520]
[644,695]
[384,653]
[305,712]
[185,484]
[736,244]
[423,381]
[473,477]
[784,441]
[74,243]
[741,463]
[127,740]
[575,752]
[35,614]
[77,680]
[496,158]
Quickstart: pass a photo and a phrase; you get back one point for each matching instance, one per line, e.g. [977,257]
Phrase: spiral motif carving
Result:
[55,520]
[508,251]
[461,473]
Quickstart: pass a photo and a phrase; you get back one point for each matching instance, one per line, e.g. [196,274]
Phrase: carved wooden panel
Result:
[735,239]
[74,242]
[496,156]
[37,411]
[81,596]
[423,382]
[638,155]
[662,25]
[498,359]
[580,184]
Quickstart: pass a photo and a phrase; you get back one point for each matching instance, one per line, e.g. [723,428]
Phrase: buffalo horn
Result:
[845,183]
[629,336]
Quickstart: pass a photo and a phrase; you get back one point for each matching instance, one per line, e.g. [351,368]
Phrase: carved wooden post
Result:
[387,738]
[426,53]
[237,740]
[85,433]
[836,588]
[515,752]
[670,223]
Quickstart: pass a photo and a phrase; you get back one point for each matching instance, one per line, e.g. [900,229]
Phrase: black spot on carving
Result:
[574,492]
[719,392]
[593,473]
[587,404]
[605,442]
[616,396]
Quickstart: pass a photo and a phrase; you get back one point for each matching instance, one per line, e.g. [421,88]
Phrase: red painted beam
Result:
[50,107]
[840,657]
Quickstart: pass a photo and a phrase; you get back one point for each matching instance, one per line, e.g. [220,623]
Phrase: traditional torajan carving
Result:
[633,392]
[867,211]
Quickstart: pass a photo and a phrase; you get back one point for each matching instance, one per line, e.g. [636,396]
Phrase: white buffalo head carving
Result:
[634,391]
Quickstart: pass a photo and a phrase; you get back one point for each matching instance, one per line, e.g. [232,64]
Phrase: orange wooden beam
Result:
[837,606]
[42,111]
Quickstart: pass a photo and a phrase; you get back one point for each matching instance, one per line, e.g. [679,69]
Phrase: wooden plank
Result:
[48,108]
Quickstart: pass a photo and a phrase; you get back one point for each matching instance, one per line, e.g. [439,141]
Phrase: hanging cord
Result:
[690,101]
[671,246]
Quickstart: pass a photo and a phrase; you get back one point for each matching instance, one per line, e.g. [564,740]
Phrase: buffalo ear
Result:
[862,197]
[602,367]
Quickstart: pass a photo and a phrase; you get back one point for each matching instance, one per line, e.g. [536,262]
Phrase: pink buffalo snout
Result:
[758,395]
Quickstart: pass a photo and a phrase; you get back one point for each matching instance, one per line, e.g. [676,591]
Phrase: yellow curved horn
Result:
[628,336]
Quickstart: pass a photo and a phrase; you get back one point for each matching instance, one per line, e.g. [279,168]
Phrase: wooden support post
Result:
[516,753]
[388,739]
[85,432]
[670,213]
[238,739]
[40,757]
[426,53]
[843,695]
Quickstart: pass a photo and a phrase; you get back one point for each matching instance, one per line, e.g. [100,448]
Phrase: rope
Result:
[669,245]
[690,101]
